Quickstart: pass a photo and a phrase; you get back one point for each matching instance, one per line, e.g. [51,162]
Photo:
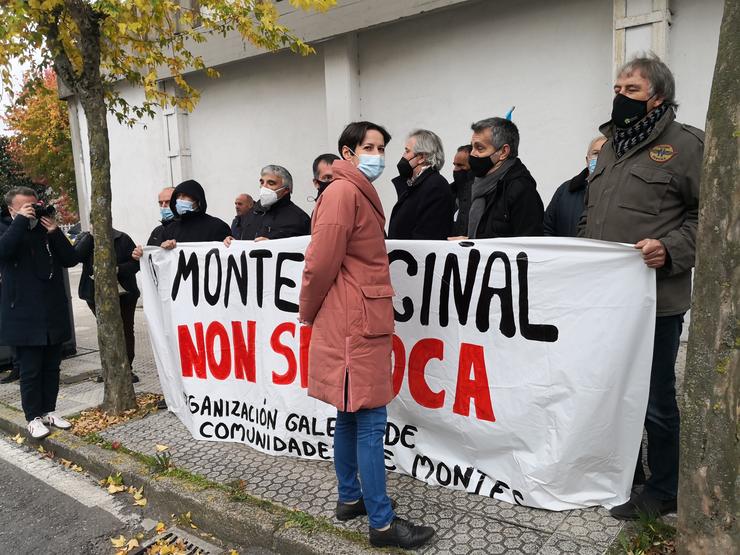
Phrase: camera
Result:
[44,210]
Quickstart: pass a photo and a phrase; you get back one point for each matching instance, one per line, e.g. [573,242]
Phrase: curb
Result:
[213,512]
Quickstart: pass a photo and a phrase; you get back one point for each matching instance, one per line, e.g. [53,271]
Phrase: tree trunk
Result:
[707,494]
[88,86]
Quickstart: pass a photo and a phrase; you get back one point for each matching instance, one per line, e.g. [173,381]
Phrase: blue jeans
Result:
[662,419]
[358,444]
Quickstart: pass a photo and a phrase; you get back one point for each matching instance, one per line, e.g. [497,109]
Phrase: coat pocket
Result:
[377,310]
[644,189]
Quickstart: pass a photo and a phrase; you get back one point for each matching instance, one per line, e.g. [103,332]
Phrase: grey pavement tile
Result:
[595,526]
[470,533]
[522,516]
[560,545]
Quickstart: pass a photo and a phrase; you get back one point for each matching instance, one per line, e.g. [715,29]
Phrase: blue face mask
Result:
[166,214]
[592,165]
[372,165]
[182,206]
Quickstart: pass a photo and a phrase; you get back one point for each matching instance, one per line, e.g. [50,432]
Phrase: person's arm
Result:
[526,211]
[221,231]
[550,223]
[130,266]
[680,244]
[84,245]
[63,249]
[12,238]
[333,224]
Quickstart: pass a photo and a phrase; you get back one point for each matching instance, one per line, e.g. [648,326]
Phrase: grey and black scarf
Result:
[629,137]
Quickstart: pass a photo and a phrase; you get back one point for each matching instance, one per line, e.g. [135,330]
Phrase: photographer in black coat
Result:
[128,291]
[34,312]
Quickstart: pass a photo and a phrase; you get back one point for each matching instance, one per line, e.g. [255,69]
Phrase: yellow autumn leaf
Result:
[113,488]
[65,462]
[233,552]
[133,542]
[120,541]
[161,527]
[159,447]
[19,439]
[141,502]
[76,468]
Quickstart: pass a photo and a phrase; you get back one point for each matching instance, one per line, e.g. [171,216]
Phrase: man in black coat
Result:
[128,291]
[565,208]
[425,205]
[192,223]
[461,187]
[243,203]
[34,312]
[504,200]
[274,215]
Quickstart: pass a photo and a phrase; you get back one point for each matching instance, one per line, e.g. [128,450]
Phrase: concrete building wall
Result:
[441,70]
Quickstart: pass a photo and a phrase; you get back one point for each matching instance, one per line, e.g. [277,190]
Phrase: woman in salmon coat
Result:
[347,297]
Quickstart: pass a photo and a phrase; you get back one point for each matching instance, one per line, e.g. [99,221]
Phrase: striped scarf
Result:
[629,137]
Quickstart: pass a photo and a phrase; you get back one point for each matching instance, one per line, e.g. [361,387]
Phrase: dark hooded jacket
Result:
[196,226]
[565,208]
[33,301]
[283,219]
[126,267]
[514,208]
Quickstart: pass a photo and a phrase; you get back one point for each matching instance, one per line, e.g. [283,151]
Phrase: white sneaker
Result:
[56,421]
[37,429]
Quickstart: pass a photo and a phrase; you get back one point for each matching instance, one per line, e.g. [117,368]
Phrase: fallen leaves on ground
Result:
[95,420]
[159,447]
[161,547]
[113,483]
[124,546]
[161,527]
[19,439]
[120,541]
[139,499]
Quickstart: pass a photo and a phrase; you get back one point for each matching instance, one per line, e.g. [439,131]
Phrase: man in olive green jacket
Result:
[645,191]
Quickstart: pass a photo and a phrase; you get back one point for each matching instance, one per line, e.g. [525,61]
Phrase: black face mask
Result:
[404,168]
[480,166]
[627,111]
[460,177]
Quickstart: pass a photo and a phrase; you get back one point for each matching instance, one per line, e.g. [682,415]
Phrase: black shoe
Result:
[403,534]
[14,375]
[644,504]
[134,378]
[161,404]
[348,511]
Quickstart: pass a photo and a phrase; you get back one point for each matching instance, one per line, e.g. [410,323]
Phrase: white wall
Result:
[267,110]
[443,71]
[440,70]
[138,171]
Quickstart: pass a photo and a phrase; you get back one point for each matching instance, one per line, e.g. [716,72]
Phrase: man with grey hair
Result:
[645,191]
[504,198]
[425,206]
[274,215]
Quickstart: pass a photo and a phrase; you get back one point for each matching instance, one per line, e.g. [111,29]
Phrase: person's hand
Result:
[27,211]
[228,240]
[49,223]
[137,253]
[458,238]
[653,252]
[258,239]
[169,244]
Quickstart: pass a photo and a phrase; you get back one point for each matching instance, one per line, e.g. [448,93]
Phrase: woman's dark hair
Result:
[355,132]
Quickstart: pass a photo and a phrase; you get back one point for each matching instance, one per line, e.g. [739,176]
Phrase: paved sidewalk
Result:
[465,523]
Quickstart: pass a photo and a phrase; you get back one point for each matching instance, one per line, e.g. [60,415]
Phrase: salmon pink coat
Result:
[346,293]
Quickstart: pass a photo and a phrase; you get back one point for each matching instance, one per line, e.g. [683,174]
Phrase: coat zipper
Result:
[345,385]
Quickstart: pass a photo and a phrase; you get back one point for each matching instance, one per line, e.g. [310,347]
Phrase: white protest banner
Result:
[522,366]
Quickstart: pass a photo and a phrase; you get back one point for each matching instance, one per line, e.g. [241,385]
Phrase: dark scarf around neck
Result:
[629,137]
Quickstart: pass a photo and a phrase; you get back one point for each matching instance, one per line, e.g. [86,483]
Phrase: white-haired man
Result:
[274,215]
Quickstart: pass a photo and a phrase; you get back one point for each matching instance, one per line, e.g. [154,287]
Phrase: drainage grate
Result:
[191,544]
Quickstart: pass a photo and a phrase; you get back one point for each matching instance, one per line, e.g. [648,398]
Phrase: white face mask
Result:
[268,197]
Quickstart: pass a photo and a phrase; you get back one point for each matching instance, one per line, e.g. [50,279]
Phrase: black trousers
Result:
[39,368]
[128,311]
[662,421]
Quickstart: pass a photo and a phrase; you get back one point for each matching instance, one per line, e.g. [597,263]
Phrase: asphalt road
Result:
[47,509]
